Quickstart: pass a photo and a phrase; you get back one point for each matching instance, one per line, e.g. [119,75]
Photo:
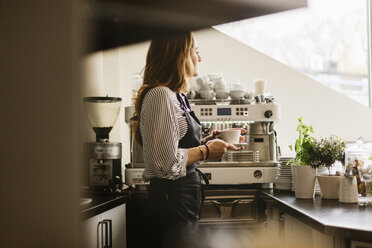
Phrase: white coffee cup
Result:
[194,86]
[207,94]
[231,136]
[235,87]
[213,76]
[236,94]
[220,84]
[221,94]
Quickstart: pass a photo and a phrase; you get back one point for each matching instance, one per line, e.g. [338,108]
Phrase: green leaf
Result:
[297,145]
[311,129]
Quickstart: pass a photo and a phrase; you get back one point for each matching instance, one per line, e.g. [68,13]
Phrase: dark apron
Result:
[176,203]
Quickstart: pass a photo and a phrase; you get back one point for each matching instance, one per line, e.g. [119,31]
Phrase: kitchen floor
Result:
[220,237]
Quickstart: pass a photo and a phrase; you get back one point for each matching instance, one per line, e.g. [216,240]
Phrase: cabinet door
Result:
[117,217]
[273,227]
[296,233]
[322,240]
[89,228]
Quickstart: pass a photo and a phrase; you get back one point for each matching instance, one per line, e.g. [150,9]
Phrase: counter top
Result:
[102,202]
[327,216]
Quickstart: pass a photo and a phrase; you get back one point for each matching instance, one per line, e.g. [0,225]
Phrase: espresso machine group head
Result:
[104,157]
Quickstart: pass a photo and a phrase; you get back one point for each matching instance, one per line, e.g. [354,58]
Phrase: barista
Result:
[170,135]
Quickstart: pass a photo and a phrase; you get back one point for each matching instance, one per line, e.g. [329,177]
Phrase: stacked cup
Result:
[221,89]
[206,88]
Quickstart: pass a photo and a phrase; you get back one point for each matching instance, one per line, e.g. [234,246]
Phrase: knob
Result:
[257,174]
[206,130]
[268,113]
[117,183]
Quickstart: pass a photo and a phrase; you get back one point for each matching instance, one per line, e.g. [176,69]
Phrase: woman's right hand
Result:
[218,148]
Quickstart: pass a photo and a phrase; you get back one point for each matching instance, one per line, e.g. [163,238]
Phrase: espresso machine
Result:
[257,163]
[103,156]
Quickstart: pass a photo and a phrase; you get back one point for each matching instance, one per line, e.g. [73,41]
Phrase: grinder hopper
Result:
[102,113]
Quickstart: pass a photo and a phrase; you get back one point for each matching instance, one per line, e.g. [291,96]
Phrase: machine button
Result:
[268,113]
[257,174]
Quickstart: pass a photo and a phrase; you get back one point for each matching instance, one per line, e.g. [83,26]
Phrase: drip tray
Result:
[220,164]
[241,156]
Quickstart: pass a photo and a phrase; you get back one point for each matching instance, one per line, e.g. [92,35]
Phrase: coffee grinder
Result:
[104,156]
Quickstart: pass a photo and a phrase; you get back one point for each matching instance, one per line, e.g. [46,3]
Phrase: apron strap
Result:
[206,180]
[203,176]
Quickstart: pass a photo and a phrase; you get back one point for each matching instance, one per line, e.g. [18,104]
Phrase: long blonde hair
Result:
[169,64]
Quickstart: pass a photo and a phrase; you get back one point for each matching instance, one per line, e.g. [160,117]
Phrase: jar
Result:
[358,162]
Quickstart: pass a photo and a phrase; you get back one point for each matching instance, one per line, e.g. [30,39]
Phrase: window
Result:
[328,41]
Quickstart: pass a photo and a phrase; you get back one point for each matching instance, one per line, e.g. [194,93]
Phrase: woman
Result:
[170,133]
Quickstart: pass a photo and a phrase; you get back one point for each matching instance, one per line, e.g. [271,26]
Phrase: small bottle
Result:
[137,83]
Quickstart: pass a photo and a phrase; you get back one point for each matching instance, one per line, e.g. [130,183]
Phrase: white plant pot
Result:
[304,181]
[329,186]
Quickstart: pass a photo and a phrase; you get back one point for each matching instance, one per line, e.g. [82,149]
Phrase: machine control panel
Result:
[240,112]
[223,111]
[100,172]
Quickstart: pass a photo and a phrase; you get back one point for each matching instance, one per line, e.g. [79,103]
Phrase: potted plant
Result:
[324,153]
[303,172]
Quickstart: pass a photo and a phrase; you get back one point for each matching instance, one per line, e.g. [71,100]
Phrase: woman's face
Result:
[195,57]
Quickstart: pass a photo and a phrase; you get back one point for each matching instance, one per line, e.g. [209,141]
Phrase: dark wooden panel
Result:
[111,23]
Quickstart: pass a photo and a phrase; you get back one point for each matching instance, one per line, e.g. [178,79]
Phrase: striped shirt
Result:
[162,126]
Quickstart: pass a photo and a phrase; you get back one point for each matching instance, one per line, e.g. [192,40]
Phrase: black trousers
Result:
[175,207]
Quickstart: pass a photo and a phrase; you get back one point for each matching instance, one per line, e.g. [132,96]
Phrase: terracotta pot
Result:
[304,181]
[329,186]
